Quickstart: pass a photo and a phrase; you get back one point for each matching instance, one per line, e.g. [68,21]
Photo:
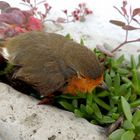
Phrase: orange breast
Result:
[82,84]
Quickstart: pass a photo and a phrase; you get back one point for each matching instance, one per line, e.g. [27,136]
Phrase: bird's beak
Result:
[103,86]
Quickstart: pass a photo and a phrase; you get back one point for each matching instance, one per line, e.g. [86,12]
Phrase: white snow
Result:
[96,23]
[96,29]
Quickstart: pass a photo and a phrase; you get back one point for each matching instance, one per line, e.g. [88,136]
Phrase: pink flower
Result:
[65,11]
[81,5]
[87,11]
[47,7]
[34,24]
[124,3]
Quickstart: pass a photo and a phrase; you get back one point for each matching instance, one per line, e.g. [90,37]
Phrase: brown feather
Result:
[50,60]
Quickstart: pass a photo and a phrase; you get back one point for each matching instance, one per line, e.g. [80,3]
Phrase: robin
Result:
[50,62]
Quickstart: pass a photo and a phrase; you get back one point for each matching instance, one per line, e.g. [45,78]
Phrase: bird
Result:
[50,62]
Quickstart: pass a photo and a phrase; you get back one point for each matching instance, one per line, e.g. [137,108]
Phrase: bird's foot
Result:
[46,100]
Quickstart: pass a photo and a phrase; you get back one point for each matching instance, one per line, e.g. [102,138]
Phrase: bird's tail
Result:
[2,43]
[3,50]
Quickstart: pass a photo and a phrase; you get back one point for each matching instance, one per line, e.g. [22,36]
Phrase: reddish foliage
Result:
[129,16]
[14,21]
[4,5]
[118,23]
[34,24]
[129,27]
[34,8]
[20,30]
[136,12]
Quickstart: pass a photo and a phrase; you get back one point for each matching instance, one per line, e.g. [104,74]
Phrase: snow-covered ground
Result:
[96,29]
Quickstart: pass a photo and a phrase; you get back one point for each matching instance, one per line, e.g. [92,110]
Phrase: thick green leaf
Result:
[113,110]
[68,96]
[116,99]
[128,94]
[128,135]
[94,122]
[106,120]
[97,110]
[133,97]
[116,84]
[82,42]
[112,73]
[81,95]
[138,65]
[137,130]
[83,109]
[116,135]
[133,63]
[75,103]
[127,125]
[138,74]
[136,118]
[112,89]
[120,60]
[89,110]
[115,116]
[101,103]
[103,94]
[68,36]
[78,113]
[84,112]
[126,80]
[135,103]
[126,108]
[108,80]
[113,65]
[67,105]
[123,89]
[135,80]
[123,71]
[89,99]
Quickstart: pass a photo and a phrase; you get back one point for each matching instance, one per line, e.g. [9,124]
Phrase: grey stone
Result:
[22,119]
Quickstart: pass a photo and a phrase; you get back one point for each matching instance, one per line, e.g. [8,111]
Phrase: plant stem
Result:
[115,125]
[34,3]
[67,18]
[126,35]
[125,42]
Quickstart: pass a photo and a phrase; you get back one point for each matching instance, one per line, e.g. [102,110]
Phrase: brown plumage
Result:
[50,62]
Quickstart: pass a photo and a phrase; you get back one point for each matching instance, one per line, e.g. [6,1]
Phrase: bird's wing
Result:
[46,81]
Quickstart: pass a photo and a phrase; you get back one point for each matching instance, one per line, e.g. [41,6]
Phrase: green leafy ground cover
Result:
[117,108]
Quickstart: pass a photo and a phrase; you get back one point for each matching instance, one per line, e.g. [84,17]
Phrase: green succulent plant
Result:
[106,107]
